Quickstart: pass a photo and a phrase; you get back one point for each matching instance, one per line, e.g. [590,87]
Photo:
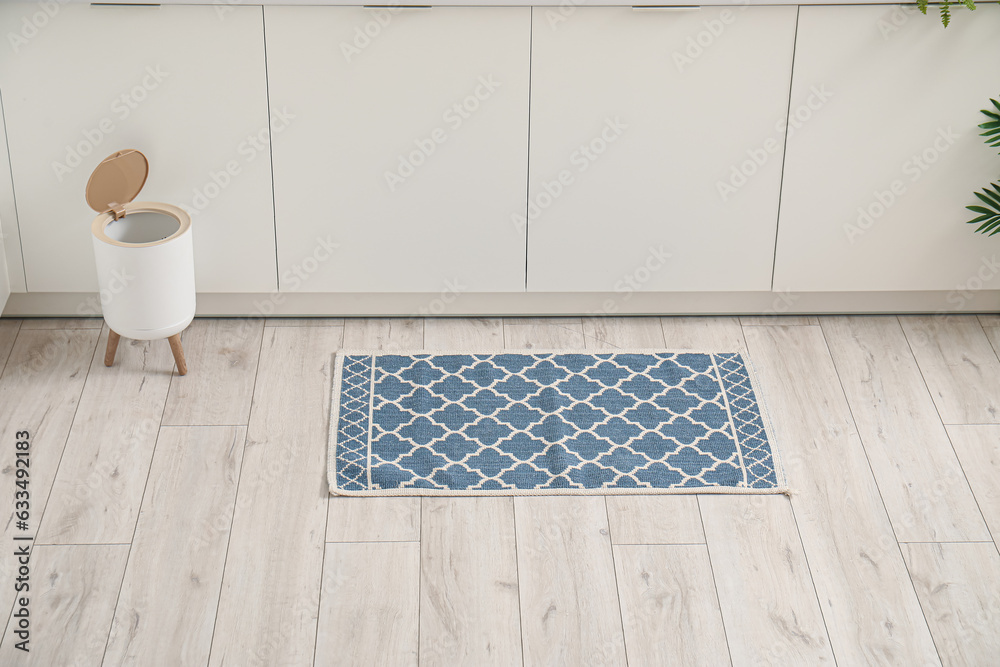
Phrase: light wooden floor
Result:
[186,520]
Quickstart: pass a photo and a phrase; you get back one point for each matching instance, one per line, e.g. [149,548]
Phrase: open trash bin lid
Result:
[116,181]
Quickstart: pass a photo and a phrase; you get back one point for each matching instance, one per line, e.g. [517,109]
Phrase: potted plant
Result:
[988,215]
[946,8]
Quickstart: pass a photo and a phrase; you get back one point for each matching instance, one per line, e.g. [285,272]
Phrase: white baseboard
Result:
[72,304]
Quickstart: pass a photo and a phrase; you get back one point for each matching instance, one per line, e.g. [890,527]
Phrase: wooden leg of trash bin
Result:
[109,354]
[175,347]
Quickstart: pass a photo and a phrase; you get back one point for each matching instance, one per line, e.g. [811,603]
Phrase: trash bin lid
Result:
[117,180]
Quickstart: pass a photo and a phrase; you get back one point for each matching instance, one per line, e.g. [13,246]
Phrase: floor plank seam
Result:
[970,423]
[951,442]
[871,471]
[965,475]
[82,544]
[69,432]
[236,500]
[946,542]
[743,335]
[587,336]
[614,570]
[302,326]
[370,541]
[656,544]
[517,573]
[128,558]
[986,333]
[322,577]
[715,584]
[812,580]
[17,333]
[206,425]
[776,324]
[420,571]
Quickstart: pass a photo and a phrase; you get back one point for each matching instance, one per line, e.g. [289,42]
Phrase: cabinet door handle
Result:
[666,8]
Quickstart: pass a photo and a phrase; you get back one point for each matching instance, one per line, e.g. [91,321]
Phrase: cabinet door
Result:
[877,180]
[656,147]
[4,279]
[408,152]
[184,85]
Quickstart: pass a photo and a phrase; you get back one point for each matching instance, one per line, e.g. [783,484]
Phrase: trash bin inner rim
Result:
[102,221]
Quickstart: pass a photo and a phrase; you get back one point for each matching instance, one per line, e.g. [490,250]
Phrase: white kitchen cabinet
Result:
[4,277]
[408,150]
[184,85]
[877,180]
[10,236]
[656,147]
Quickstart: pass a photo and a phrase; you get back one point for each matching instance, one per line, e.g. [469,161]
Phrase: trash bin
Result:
[145,257]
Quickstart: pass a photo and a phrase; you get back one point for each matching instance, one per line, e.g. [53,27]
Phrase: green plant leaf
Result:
[991,128]
[922,6]
[995,194]
[992,227]
[971,5]
[987,217]
[986,198]
[994,197]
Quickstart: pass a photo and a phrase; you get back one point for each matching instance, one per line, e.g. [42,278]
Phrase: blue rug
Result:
[527,423]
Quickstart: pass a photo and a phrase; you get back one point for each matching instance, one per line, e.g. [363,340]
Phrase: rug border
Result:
[338,368]
[331,448]
[780,480]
